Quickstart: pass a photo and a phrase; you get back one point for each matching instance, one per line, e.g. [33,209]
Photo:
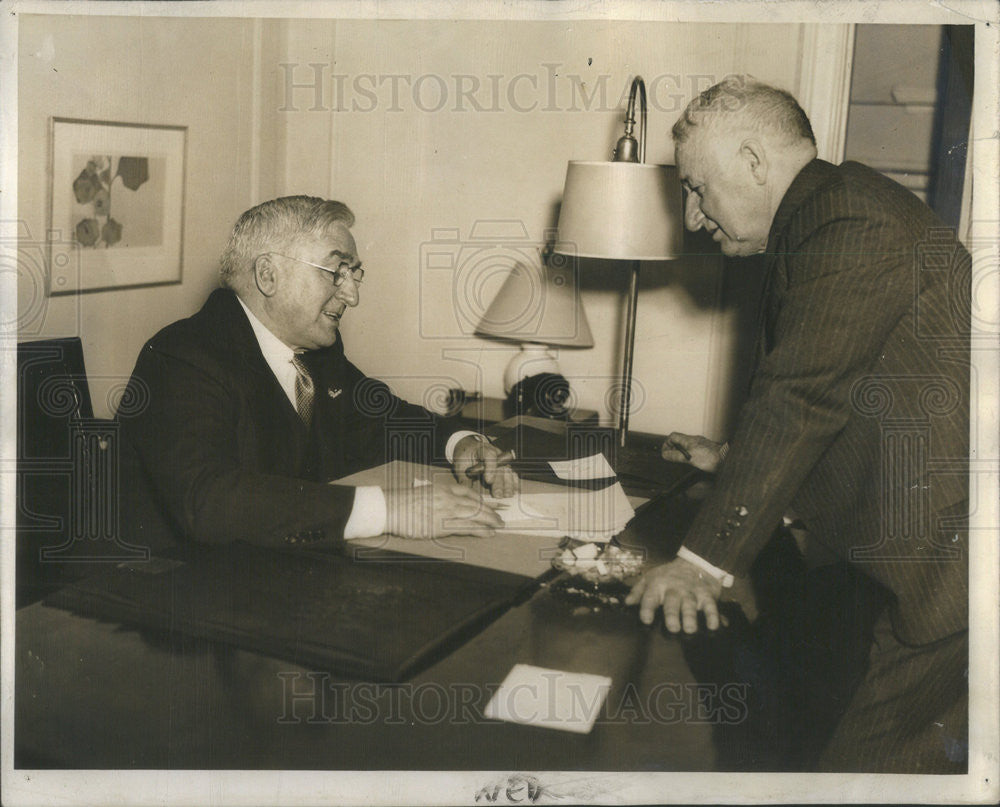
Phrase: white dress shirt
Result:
[368,515]
[724,577]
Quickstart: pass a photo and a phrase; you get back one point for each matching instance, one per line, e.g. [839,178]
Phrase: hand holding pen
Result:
[476,459]
[695,450]
[673,444]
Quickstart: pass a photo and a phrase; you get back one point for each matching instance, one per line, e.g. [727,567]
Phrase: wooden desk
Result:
[90,694]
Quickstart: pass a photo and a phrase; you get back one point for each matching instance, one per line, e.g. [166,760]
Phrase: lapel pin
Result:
[333,393]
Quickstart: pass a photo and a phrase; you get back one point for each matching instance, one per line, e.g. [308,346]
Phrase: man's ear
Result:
[755,158]
[265,274]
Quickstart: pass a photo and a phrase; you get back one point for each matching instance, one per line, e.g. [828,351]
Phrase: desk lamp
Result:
[538,306]
[625,211]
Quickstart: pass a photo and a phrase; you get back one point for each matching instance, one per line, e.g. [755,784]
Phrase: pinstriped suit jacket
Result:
[858,414]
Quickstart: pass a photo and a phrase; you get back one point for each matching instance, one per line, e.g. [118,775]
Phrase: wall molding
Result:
[256,119]
[827,59]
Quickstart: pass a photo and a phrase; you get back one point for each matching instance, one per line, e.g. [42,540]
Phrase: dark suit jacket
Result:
[858,413]
[214,450]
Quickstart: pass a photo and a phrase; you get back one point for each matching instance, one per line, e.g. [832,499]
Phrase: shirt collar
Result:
[276,353]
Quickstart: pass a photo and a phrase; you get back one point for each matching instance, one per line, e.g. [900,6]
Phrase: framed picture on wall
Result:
[116,205]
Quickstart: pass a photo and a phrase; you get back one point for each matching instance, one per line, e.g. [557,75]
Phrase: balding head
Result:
[744,104]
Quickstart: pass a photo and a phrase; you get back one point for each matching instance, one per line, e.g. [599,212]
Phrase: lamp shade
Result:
[621,210]
[538,303]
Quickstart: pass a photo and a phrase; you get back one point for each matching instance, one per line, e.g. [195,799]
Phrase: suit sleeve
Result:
[385,427]
[187,442]
[846,290]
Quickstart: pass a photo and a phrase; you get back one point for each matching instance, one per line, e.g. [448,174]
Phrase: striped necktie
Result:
[305,391]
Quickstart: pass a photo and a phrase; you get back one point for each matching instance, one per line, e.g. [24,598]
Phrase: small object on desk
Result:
[459,398]
[596,576]
[477,468]
[552,699]
[684,452]
[596,466]
[545,394]
[599,564]
[589,596]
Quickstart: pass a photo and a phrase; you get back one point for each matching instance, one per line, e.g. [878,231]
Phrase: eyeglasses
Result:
[340,274]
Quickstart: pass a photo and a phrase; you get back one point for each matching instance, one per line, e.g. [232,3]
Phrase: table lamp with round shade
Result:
[538,306]
[624,211]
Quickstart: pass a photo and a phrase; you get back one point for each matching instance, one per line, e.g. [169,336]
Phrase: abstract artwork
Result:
[116,205]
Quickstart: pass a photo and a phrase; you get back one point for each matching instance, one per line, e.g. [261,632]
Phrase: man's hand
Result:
[432,511]
[701,452]
[683,590]
[476,458]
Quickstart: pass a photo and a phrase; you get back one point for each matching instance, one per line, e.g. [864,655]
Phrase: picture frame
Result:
[116,205]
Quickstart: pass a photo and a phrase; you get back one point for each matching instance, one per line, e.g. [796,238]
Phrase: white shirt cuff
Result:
[368,515]
[449,449]
[723,577]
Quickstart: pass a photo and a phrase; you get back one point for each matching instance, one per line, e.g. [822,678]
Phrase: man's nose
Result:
[348,291]
[693,217]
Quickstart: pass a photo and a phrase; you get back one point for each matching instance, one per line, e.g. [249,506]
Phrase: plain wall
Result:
[194,73]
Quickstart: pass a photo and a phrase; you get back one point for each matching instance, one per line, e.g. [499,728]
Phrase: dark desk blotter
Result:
[369,620]
[639,466]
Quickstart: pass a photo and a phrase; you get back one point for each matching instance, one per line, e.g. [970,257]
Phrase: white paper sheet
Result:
[586,515]
[553,699]
[595,466]
[509,551]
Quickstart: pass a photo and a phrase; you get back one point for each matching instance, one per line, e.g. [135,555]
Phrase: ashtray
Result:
[578,591]
[596,573]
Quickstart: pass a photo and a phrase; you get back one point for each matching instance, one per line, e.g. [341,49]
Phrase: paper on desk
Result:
[587,515]
[553,699]
[595,466]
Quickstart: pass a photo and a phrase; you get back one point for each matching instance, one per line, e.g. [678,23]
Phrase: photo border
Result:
[339,787]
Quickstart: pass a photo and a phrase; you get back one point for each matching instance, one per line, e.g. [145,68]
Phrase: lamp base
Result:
[544,395]
[534,385]
[530,361]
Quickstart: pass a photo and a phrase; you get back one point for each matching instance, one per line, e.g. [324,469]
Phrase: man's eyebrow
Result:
[346,256]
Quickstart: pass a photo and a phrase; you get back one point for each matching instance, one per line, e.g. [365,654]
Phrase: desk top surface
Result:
[93,694]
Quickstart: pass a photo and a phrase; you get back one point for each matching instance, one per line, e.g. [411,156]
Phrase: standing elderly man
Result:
[246,410]
[857,419]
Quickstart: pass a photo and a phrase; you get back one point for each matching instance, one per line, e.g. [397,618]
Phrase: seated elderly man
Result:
[245,411]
